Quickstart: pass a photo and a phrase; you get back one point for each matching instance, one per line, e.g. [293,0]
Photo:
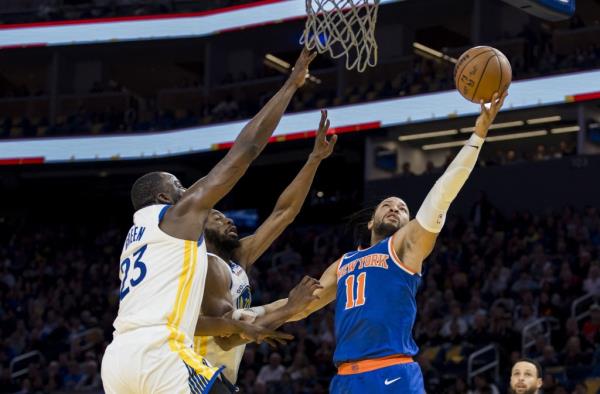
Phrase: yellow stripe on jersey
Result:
[201,345]
[175,315]
[176,336]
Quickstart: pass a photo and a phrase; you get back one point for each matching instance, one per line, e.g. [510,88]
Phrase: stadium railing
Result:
[580,308]
[539,327]
[481,356]
[13,367]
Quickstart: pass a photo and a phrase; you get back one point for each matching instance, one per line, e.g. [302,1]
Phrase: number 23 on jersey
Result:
[137,265]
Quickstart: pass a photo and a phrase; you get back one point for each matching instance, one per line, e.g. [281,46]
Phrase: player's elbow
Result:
[285,216]
[224,344]
[248,149]
[252,151]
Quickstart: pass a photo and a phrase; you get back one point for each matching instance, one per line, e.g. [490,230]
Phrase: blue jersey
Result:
[376,305]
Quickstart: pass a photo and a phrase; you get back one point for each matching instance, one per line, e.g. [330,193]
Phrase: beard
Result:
[222,242]
[531,390]
[385,229]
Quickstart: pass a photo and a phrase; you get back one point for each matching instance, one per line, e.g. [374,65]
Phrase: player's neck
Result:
[221,252]
[375,238]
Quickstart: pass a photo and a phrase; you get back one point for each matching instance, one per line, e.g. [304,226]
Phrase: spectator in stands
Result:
[483,386]
[49,290]
[573,356]
[591,284]
[271,372]
[74,376]
[524,315]
[525,282]
[454,322]
[406,170]
[549,358]
[91,378]
[591,327]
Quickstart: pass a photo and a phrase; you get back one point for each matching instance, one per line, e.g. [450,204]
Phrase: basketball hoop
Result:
[343,28]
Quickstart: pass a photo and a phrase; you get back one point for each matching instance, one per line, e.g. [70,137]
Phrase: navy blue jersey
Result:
[376,305]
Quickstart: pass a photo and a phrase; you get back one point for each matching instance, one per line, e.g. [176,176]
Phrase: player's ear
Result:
[164,198]
[370,225]
[539,383]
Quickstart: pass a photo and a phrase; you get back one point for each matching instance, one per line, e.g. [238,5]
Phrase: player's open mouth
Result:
[394,217]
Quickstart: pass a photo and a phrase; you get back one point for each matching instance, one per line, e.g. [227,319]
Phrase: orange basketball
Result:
[480,72]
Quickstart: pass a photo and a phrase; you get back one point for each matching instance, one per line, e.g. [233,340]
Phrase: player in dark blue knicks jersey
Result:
[375,288]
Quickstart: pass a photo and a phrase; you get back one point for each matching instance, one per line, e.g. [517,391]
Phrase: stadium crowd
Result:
[27,11]
[489,276]
[538,57]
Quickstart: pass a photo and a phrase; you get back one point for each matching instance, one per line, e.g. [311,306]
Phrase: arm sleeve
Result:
[432,213]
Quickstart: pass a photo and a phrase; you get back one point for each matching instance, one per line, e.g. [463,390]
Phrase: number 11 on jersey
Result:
[361,280]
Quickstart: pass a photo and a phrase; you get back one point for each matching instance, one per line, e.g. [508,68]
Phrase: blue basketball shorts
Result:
[400,378]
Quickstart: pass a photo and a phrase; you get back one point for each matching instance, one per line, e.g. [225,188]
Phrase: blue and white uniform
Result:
[162,284]
[241,295]
[374,316]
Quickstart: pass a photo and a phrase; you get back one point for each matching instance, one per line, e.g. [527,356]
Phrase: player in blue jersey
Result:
[375,288]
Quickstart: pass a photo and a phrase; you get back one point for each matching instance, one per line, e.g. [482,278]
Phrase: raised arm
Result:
[289,203]
[415,241]
[207,191]
[299,298]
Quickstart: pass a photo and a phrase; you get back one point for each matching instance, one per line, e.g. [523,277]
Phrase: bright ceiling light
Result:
[431,134]
[495,126]
[547,119]
[496,138]
[433,52]
[566,129]
[515,136]
[443,145]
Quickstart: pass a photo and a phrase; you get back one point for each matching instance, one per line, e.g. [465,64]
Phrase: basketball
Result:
[480,72]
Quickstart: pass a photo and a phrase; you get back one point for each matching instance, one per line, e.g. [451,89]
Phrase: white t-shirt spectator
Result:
[269,373]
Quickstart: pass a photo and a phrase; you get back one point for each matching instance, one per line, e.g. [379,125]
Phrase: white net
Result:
[343,27]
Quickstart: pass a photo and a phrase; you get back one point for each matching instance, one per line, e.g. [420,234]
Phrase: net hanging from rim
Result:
[343,27]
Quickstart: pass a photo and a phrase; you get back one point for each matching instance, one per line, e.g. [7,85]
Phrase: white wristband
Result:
[258,310]
[237,314]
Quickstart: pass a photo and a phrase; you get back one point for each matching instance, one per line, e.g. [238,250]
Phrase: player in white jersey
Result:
[227,287]
[221,350]
[163,269]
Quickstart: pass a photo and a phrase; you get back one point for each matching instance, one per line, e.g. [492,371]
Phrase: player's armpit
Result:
[412,244]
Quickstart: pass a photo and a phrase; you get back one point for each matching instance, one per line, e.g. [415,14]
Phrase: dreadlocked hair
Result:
[357,226]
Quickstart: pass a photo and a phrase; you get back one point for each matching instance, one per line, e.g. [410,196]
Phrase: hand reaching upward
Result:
[323,146]
[487,116]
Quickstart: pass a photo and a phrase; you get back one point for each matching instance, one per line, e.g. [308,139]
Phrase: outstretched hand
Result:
[303,294]
[487,116]
[323,146]
[258,334]
[300,70]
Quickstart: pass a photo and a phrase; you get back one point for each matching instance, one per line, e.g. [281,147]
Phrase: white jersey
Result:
[241,296]
[162,284]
